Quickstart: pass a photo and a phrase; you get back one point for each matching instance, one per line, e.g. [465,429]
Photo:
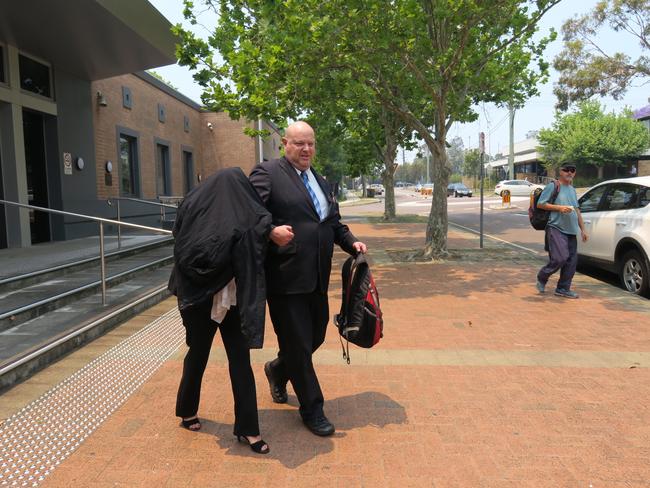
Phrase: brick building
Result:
[82,122]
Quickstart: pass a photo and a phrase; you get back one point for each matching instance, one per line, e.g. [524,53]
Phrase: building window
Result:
[128,166]
[163,180]
[188,171]
[162,114]
[186,123]
[127,98]
[34,76]
[3,75]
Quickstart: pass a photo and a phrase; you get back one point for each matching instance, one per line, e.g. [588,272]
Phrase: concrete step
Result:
[28,302]
[41,340]
[39,268]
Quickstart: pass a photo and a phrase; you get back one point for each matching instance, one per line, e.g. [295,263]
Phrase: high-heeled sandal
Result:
[187,424]
[255,446]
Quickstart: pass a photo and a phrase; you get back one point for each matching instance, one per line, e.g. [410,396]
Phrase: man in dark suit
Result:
[306,225]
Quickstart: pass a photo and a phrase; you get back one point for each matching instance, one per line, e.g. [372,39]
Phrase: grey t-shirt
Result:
[566,223]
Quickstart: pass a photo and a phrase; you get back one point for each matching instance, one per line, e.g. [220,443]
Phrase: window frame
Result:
[615,186]
[4,65]
[38,60]
[167,167]
[135,163]
[188,184]
[598,207]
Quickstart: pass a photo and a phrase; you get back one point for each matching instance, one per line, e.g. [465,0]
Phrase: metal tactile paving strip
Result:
[35,440]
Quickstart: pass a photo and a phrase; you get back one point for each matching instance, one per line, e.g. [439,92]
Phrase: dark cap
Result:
[568,166]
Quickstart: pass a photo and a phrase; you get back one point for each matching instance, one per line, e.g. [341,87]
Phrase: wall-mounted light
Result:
[210,125]
[101,99]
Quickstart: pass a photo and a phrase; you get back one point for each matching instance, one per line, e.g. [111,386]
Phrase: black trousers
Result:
[300,322]
[199,333]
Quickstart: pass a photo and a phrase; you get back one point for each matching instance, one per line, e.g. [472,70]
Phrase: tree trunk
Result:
[364,194]
[389,123]
[388,178]
[601,173]
[436,236]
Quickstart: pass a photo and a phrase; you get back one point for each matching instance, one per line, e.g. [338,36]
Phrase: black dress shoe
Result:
[278,391]
[319,425]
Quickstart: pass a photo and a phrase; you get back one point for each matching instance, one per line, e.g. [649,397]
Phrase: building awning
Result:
[90,39]
[642,113]
[529,157]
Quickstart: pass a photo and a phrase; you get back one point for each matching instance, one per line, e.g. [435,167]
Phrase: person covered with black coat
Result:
[221,233]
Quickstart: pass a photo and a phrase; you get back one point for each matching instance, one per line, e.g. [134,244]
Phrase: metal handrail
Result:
[137,200]
[101,222]
[140,200]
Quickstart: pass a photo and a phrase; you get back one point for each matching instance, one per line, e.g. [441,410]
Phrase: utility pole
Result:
[511,153]
[481,147]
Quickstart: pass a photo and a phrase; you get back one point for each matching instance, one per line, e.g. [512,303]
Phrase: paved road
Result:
[510,225]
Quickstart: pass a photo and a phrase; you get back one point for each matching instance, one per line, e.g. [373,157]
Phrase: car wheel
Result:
[455,194]
[634,273]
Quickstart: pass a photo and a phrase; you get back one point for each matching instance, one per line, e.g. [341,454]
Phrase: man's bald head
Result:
[299,145]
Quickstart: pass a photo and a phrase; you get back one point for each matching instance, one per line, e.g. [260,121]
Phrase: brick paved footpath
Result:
[479,382]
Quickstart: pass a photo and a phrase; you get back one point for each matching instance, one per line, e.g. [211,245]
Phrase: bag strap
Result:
[556,191]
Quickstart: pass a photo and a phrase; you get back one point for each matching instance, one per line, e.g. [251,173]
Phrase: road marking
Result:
[536,253]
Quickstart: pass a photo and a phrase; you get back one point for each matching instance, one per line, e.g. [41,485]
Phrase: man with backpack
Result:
[564,225]
[306,225]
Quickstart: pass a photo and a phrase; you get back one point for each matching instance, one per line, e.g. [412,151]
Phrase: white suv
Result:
[616,214]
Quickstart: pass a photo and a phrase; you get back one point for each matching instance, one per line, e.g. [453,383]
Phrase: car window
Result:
[621,196]
[644,197]
[589,201]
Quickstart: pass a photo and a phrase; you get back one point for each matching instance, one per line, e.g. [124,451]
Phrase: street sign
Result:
[67,163]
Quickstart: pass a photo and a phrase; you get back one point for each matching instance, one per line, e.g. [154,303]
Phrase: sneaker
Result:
[540,286]
[561,292]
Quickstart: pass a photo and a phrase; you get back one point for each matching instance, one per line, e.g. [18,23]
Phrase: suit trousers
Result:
[199,333]
[300,322]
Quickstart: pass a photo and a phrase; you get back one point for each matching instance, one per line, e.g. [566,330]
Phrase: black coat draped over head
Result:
[221,233]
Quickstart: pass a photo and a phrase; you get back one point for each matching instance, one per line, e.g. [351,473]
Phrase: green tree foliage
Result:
[456,155]
[419,64]
[472,165]
[414,172]
[250,67]
[590,136]
[587,67]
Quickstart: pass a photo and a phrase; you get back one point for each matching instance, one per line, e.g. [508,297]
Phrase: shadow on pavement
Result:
[292,444]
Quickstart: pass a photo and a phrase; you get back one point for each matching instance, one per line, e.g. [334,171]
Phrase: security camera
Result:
[210,125]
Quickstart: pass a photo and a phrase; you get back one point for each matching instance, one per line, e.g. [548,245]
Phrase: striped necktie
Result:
[314,199]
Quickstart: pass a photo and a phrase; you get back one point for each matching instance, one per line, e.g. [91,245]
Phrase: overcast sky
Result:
[538,112]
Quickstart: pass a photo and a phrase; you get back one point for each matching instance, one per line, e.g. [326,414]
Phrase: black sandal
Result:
[255,446]
[187,424]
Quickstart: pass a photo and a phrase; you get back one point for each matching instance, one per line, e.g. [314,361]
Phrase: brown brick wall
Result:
[142,118]
[226,145]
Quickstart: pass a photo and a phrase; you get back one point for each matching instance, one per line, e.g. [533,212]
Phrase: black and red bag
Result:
[538,217]
[360,320]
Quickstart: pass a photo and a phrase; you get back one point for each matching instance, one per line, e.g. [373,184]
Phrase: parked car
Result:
[458,190]
[379,188]
[616,215]
[418,187]
[516,187]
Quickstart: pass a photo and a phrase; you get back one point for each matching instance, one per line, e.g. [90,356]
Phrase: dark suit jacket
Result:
[303,265]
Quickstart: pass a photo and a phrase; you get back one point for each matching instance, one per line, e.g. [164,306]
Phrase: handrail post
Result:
[102,263]
[162,213]
[119,227]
